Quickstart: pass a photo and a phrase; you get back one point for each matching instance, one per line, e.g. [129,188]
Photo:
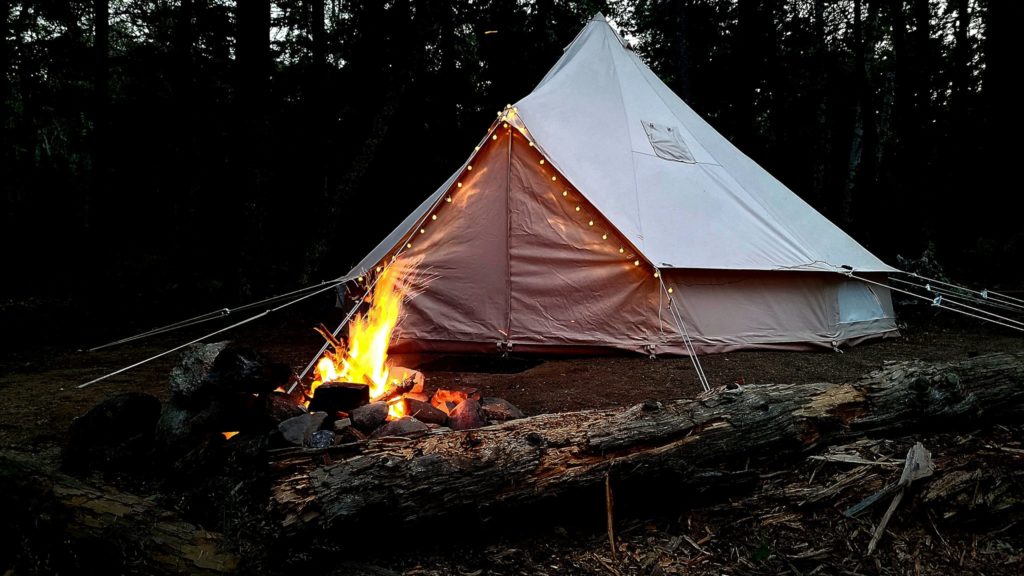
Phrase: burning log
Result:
[527,460]
[333,397]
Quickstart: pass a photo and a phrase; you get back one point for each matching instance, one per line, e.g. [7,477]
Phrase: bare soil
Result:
[771,531]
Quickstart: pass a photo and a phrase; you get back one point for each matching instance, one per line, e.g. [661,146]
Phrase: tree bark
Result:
[253,67]
[101,97]
[541,457]
[66,521]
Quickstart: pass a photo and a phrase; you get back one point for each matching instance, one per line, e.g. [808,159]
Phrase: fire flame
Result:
[396,409]
[364,358]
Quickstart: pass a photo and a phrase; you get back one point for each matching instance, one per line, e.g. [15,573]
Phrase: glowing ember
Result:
[396,409]
[363,358]
[443,398]
[229,435]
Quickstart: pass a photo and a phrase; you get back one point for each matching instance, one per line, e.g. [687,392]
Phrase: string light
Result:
[469,167]
[409,245]
[591,223]
[669,290]
[657,274]
[577,208]
[423,230]
[360,279]
[448,199]
[531,144]
[622,250]
[380,269]
[494,137]
[565,193]
[433,216]
[459,185]
[505,125]
[636,262]
[476,148]
[554,178]
[393,256]
[604,236]
[541,161]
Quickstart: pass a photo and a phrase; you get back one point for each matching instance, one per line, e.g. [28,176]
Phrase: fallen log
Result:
[54,522]
[523,461]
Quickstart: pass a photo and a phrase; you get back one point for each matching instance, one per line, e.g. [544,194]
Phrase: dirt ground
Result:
[770,531]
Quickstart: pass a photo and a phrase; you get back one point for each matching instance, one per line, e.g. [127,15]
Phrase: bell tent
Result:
[600,212]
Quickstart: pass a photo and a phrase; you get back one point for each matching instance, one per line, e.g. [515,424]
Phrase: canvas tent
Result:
[600,211]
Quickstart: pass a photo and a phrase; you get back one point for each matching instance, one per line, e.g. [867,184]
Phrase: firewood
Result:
[549,455]
[126,533]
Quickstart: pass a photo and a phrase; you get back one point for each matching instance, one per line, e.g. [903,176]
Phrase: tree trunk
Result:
[5,183]
[101,96]
[253,68]
[69,523]
[525,461]
[184,171]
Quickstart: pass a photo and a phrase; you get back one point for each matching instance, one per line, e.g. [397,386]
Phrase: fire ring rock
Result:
[424,412]
[298,430]
[408,427]
[499,410]
[370,416]
[466,416]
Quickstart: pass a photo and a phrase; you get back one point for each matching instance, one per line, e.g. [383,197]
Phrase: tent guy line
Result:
[217,314]
[267,312]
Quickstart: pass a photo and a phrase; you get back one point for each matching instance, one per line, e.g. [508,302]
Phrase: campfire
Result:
[358,393]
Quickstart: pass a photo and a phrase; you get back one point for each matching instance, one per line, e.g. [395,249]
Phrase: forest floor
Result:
[790,523]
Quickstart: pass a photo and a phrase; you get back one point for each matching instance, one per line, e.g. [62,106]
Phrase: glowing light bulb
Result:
[494,137]
[433,216]
[393,258]
[604,236]
[531,144]
[657,274]
[515,109]
[448,199]
[476,148]
[591,223]
[459,185]
[470,167]
[565,193]
[577,208]
[423,230]
[409,245]
[380,269]
[636,262]
[541,161]
[360,279]
[554,178]
[669,290]
[505,125]
[622,250]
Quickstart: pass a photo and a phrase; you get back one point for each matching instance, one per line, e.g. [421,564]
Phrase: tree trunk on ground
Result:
[56,519]
[537,458]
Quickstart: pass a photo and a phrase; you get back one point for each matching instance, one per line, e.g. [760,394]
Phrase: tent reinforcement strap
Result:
[214,333]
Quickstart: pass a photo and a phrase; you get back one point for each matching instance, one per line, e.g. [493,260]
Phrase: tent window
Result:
[668,142]
[858,303]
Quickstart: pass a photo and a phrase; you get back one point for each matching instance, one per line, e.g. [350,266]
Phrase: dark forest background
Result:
[161,158]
